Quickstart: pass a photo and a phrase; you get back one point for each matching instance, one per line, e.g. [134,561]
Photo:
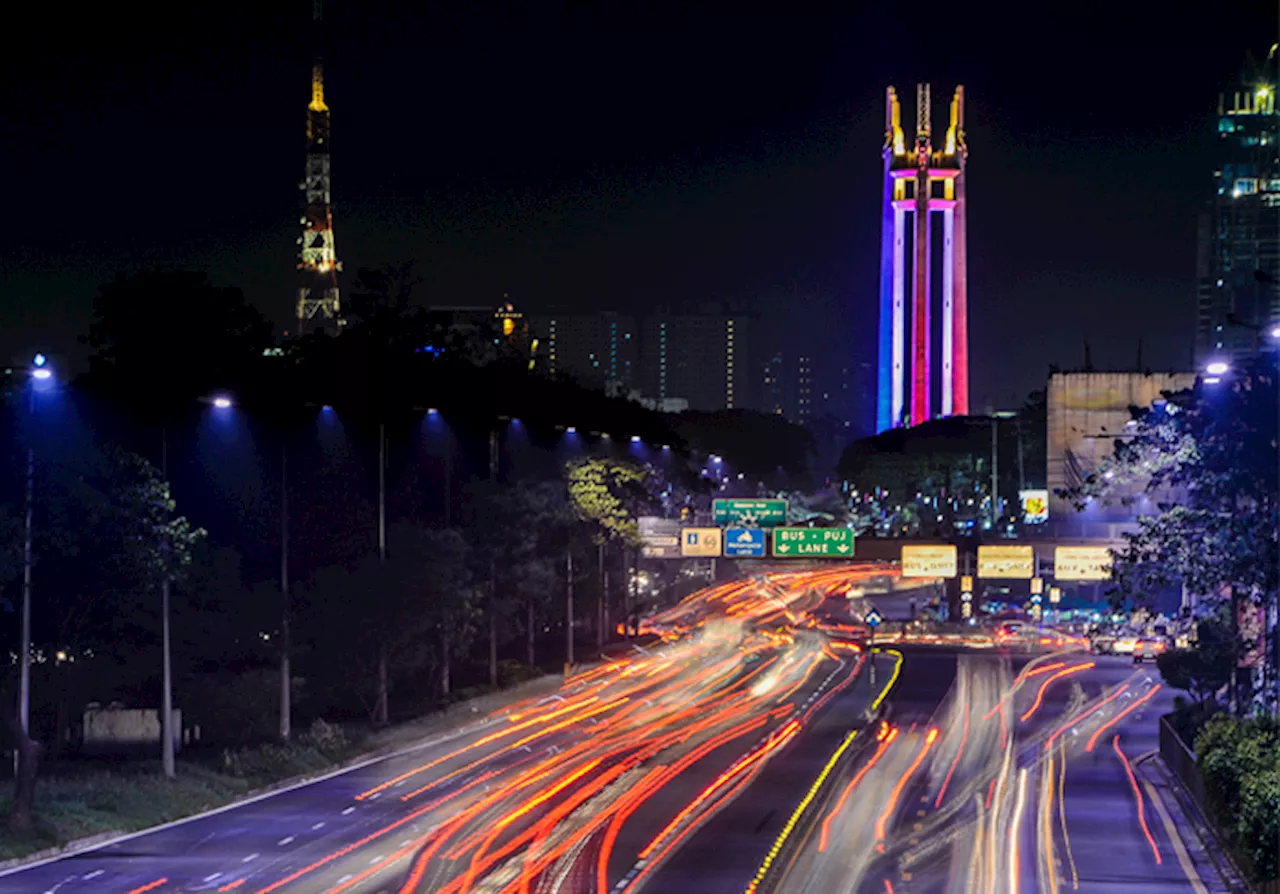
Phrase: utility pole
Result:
[995,472]
[286,679]
[24,647]
[166,695]
[493,572]
[383,709]
[604,594]
[568,626]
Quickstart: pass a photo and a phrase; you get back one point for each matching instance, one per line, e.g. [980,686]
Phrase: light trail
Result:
[1114,720]
[1074,669]
[896,792]
[1137,794]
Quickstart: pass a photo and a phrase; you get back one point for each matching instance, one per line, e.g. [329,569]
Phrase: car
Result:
[1147,648]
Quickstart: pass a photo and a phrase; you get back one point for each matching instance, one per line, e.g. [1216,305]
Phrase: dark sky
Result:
[583,155]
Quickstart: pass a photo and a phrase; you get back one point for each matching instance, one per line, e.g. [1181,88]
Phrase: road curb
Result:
[1152,769]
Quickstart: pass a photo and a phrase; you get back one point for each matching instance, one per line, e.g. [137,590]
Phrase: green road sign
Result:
[812,543]
[749,513]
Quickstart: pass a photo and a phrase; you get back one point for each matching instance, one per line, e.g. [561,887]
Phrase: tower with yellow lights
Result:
[318,263]
[919,183]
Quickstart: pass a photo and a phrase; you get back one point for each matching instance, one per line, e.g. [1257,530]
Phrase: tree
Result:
[1208,458]
[528,525]
[609,495]
[381,623]
[1205,668]
[151,355]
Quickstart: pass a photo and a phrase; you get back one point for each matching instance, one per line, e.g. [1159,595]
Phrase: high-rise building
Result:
[922,183]
[598,350]
[804,390]
[1238,252]
[318,264]
[774,392]
[704,358]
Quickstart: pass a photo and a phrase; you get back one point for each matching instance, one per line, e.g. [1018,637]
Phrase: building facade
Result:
[599,350]
[1238,251]
[1087,413]
[704,358]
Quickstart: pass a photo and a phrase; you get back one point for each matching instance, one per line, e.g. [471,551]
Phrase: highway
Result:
[594,786]
[747,748]
[1019,777]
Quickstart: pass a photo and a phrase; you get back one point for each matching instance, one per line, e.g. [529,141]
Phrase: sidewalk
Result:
[1196,847]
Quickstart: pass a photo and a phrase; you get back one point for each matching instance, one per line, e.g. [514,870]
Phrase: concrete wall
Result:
[1086,412]
[112,730]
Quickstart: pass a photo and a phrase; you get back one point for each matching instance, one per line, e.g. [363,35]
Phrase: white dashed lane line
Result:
[348,811]
[249,858]
[209,878]
[377,859]
[92,875]
[283,841]
[317,827]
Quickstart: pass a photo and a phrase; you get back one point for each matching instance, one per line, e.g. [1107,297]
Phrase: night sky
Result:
[575,154]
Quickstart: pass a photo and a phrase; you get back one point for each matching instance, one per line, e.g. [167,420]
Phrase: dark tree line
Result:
[478,554]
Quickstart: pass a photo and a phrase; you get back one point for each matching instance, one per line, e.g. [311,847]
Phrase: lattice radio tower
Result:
[318,263]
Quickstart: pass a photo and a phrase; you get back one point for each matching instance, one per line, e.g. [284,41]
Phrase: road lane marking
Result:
[377,859]
[1175,838]
[92,875]
[250,858]
[348,811]
[283,841]
[209,878]
[317,826]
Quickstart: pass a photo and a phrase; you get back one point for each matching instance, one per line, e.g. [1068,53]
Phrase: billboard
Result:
[1007,562]
[659,537]
[701,543]
[1082,563]
[1035,506]
[929,561]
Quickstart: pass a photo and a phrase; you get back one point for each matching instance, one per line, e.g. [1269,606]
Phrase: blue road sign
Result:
[744,543]
[873,618]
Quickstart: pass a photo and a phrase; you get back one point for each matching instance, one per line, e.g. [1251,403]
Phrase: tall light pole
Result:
[166,692]
[40,372]
[286,679]
[383,707]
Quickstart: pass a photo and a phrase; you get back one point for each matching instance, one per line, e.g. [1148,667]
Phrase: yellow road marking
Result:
[1184,859]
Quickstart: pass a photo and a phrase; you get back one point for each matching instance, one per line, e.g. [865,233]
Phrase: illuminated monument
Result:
[318,263]
[919,183]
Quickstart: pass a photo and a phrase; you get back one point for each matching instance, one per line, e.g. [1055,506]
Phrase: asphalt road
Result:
[1046,799]
[739,756]
[587,787]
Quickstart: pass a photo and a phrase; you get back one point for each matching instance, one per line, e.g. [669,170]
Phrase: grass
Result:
[92,800]
[76,801]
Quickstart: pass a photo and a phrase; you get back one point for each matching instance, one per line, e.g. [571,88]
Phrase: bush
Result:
[1240,762]
[316,749]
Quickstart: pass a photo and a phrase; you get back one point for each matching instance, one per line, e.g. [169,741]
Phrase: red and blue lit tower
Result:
[920,183]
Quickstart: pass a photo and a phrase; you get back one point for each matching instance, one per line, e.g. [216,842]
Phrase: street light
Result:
[1217,368]
[40,373]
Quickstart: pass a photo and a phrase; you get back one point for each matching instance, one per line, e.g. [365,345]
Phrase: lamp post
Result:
[40,372]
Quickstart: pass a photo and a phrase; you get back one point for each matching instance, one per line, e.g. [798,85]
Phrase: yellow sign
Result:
[1055,595]
[1082,563]
[1037,586]
[1007,562]
[928,561]
[701,542]
[966,583]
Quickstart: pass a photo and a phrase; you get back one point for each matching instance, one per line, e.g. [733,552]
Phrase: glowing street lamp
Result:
[1217,368]
[222,402]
